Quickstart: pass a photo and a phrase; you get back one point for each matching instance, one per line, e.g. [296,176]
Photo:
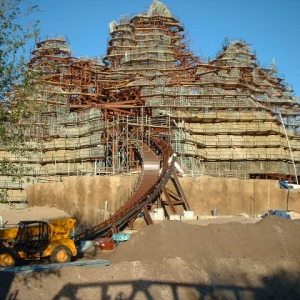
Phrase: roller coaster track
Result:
[156,172]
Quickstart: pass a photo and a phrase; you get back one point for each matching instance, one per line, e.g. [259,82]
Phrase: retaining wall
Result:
[84,197]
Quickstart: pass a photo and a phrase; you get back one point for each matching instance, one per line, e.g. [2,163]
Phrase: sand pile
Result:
[174,260]
[13,217]
[272,237]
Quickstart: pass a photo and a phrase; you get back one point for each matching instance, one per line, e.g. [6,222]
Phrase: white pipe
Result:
[291,153]
[171,158]
[177,166]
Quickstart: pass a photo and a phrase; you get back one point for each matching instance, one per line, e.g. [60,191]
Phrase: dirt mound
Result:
[174,260]
[272,237]
[13,217]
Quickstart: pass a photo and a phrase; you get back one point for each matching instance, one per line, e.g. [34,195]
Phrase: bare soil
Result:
[12,217]
[245,259]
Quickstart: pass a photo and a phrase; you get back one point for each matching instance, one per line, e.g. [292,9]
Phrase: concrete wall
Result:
[84,197]
[235,196]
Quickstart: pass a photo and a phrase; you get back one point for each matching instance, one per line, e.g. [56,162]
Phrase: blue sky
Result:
[272,27]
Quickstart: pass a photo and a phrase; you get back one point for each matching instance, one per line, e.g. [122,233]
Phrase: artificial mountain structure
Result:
[224,117]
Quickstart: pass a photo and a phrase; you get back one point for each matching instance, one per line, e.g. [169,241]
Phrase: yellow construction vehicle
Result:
[33,240]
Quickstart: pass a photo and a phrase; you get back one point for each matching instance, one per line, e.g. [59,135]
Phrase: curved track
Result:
[156,173]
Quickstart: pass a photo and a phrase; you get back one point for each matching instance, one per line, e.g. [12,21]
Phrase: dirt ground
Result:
[234,257]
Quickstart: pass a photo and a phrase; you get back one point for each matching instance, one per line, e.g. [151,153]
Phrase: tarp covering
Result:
[284,185]
[278,213]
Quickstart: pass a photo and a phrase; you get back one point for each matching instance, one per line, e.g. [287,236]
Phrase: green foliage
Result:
[16,80]
[17,173]
[3,196]
[13,39]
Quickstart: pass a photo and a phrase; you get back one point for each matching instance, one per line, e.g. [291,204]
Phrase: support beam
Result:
[172,198]
[169,200]
[148,218]
[178,186]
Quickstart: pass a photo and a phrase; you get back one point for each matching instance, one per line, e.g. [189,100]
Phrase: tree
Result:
[13,39]
[16,81]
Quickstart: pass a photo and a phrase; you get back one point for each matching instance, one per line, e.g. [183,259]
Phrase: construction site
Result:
[225,117]
[151,134]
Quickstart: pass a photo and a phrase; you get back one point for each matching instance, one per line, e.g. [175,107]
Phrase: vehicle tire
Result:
[8,257]
[61,254]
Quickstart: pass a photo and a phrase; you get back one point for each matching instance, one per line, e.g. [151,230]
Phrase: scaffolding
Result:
[226,116]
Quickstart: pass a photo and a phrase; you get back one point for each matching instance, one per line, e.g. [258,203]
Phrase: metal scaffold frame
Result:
[226,116]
